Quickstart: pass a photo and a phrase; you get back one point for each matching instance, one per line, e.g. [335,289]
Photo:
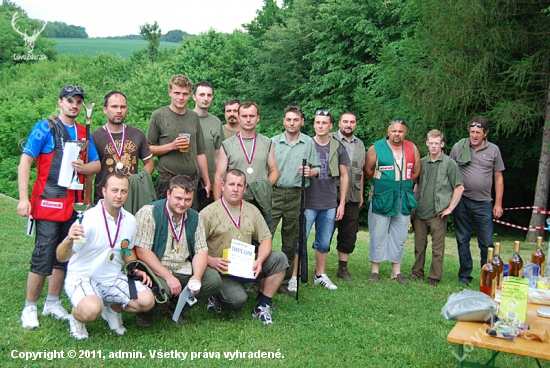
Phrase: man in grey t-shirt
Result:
[322,205]
[479,162]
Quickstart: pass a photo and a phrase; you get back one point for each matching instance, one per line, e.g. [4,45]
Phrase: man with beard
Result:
[51,205]
[349,224]
[231,111]
[119,145]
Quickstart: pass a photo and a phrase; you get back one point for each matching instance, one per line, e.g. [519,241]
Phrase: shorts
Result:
[117,293]
[49,234]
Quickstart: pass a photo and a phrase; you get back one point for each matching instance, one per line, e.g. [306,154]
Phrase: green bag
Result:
[160,287]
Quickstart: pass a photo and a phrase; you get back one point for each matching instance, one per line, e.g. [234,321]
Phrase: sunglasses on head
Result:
[397,122]
[72,88]
[322,112]
[477,125]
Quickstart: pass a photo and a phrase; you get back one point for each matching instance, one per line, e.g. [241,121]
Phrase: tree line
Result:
[433,63]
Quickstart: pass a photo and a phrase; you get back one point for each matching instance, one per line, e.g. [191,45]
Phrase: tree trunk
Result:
[542,188]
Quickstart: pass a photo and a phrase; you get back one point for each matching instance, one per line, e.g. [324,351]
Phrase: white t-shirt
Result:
[93,258]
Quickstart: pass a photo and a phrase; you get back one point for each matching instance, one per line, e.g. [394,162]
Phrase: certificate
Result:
[242,258]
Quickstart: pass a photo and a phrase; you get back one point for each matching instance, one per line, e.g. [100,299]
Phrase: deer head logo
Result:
[29,40]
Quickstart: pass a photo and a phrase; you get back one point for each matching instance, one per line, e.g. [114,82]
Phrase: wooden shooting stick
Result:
[86,184]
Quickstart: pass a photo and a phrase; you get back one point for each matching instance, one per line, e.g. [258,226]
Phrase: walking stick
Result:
[302,243]
[85,196]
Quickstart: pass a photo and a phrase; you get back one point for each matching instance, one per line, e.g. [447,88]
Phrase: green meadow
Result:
[93,46]
[359,325]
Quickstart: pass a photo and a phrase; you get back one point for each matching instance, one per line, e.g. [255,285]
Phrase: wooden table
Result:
[473,334]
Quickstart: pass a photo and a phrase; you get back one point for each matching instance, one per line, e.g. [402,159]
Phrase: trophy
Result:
[75,183]
[80,208]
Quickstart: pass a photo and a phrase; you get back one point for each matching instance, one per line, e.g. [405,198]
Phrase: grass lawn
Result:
[361,324]
[93,46]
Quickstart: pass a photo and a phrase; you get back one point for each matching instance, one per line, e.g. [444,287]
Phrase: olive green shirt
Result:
[164,127]
[289,158]
[213,137]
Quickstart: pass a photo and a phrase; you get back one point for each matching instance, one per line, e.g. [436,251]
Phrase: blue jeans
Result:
[480,215]
[324,226]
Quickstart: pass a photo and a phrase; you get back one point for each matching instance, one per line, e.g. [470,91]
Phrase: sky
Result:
[103,18]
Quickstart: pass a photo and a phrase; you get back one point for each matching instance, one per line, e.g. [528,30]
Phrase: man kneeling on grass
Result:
[231,218]
[94,250]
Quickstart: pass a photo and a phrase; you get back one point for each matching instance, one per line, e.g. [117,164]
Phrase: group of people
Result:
[219,183]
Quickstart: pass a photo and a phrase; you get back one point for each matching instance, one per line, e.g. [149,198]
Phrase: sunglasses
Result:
[477,125]
[72,88]
[322,112]
[397,122]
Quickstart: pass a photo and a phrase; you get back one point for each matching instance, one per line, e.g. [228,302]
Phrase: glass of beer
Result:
[186,149]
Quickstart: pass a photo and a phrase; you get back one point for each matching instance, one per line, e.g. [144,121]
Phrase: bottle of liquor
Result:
[538,258]
[515,264]
[499,266]
[487,281]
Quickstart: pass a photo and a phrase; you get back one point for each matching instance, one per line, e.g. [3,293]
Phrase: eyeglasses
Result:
[397,122]
[72,88]
[322,112]
[477,125]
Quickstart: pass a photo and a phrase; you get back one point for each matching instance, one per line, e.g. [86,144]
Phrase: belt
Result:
[170,176]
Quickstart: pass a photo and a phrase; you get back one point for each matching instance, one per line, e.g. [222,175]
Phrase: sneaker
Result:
[293,285]
[214,305]
[323,280]
[253,288]
[143,320]
[29,317]
[344,274]
[77,328]
[413,277]
[283,289]
[56,310]
[114,320]
[263,314]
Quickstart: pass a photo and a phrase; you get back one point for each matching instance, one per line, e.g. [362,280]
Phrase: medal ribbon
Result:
[172,226]
[112,243]
[238,222]
[249,157]
[118,152]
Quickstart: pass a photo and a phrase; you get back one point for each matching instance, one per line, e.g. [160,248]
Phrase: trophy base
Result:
[80,240]
[76,186]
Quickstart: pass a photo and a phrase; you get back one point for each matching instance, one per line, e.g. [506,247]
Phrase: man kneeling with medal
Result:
[95,247]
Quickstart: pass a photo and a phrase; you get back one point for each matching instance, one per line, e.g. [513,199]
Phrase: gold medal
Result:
[177,251]
[111,257]
[250,170]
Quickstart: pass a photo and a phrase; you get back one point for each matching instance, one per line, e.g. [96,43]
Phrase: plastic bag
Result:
[469,306]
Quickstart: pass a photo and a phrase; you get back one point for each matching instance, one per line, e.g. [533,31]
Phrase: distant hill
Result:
[171,36]
[93,46]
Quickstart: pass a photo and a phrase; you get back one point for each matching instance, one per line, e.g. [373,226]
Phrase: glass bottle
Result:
[499,266]
[538,258]
[515,264]
[487,281]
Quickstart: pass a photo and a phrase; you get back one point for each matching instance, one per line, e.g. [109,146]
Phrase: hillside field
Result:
[93,46]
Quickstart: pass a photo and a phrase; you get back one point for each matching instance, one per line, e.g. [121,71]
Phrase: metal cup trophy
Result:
[75,183]
[80,208]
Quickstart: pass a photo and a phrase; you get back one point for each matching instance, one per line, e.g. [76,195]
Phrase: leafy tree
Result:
[473,57]
[151,33]
[174,36]
[13,45]
[64,30]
